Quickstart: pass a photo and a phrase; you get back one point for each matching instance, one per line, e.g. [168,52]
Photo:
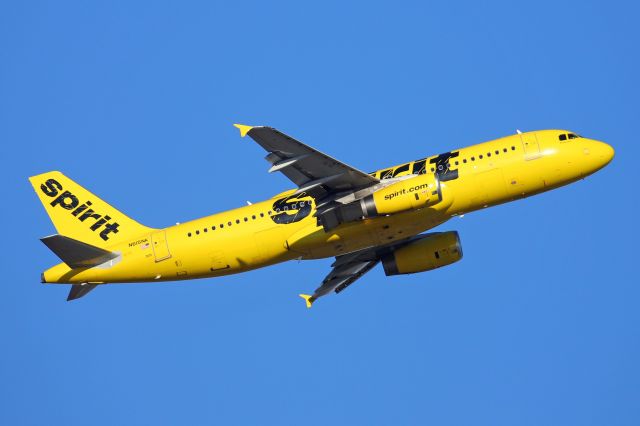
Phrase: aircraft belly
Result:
[270,245]
[315,243]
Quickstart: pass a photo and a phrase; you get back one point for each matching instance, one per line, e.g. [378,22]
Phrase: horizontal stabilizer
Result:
[77,254]
[79,290]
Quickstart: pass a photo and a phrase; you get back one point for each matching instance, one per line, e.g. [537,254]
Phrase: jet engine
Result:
[429,251]
[408,194]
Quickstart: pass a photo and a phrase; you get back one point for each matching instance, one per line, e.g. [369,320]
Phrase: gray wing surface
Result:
[315,173]
[349,267]
[346,270]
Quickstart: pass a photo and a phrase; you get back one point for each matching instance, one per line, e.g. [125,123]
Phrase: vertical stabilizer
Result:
[78,214]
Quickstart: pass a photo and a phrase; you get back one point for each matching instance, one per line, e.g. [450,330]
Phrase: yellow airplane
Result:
[336,210]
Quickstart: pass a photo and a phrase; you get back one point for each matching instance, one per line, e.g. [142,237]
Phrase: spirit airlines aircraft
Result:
[359,218]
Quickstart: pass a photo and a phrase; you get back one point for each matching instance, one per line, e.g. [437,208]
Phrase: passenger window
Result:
[513,148]
[464,160]
[189,234]
[497,151]
[562,137]
[456,163]
[488,154]
[221,225]
[253,217]
[261,214]
[481,156]
[229,223]
[205,229]
[197,232]
[504,149]
[213,228]
[473,158]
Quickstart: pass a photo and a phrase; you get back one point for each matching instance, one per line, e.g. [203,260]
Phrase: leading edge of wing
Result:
[303,165]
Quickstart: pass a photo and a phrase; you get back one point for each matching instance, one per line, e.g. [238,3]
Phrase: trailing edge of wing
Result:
[315,173]
[347,270]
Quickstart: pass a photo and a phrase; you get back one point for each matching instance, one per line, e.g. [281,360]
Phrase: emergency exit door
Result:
[160,246]
[530,145]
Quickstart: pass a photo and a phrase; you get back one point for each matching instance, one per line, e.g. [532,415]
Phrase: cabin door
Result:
[530,145]
[160,246]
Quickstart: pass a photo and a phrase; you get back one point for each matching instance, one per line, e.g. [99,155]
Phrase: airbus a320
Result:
[335,210]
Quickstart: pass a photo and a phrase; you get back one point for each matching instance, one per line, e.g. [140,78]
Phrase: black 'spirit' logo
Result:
[443,166]
[82,212]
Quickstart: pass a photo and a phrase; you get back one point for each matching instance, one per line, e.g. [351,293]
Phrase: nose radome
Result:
[604,152]
[597,155]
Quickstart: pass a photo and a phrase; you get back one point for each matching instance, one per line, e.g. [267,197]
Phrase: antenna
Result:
[518,131]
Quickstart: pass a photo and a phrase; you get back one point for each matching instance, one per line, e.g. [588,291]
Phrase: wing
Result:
[346,270]
[315,173]
[349,267]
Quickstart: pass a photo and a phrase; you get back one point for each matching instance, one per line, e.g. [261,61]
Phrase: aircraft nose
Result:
[597,154]
[603,152]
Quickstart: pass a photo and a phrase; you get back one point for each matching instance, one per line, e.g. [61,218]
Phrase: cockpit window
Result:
[565,136]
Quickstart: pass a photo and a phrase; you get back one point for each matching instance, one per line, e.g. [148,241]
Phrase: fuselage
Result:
[284,227]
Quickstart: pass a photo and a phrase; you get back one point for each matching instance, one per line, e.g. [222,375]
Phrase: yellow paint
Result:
[308,299]
[248,237]
[409,194]
[419,256]
[74,211]
[243,129]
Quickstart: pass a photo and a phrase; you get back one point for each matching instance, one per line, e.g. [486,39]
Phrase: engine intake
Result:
[429,252]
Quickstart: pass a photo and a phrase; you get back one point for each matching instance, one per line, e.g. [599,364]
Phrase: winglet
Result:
[307,298]
[243,129]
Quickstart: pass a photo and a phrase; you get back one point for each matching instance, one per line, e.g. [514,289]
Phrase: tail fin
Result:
[80,215]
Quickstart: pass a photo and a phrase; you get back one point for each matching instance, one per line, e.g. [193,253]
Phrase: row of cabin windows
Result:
[213,228]
[481,156]
[246,219]
[392,172]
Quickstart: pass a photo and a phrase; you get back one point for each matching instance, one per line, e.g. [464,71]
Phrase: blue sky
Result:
[538,324]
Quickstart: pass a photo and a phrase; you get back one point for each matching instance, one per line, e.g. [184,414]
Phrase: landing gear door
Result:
[160,246]
[530,145]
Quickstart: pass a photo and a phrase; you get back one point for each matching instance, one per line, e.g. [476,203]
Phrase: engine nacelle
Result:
[409,194]
[429,252]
